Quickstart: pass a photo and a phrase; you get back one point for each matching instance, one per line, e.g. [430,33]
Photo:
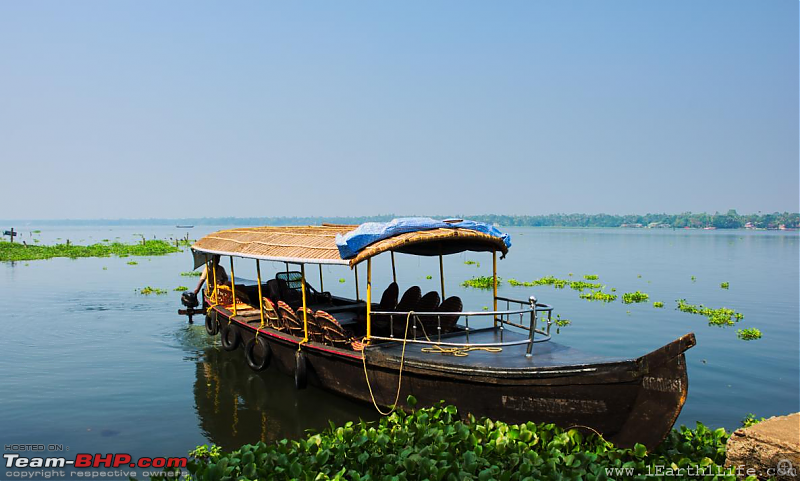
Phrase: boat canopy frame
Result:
[316,245]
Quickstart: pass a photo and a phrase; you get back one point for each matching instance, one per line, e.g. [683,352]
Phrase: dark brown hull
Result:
[627,401]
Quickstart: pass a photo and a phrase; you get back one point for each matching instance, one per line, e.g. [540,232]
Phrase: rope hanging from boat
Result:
[400,375]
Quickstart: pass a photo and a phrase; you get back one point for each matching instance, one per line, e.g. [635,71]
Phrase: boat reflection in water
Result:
[237,406]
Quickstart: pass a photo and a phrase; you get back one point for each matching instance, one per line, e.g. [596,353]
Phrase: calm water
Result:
[89,363]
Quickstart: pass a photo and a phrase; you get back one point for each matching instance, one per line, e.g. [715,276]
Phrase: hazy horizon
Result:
[134,110]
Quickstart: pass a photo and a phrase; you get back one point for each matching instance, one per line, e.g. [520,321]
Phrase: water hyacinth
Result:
[19,252]
[717,317]
[634,297]
[749,334]
[598,296]
[440,443]
[483,282]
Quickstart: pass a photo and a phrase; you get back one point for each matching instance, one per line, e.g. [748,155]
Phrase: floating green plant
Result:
[598,296]
[561,322]
[428,277]
[694,279]
[718,317]
[192,274]
[341,280]
[132,263]
[36,232]
[591,277]
[750,420]
[749,334]
[472,263]
[181,288]
[639,276]
[544,281]
[20,252]
[483,282]
[634,297]
[658,304]
[151,290]
[581,285]
[725,285]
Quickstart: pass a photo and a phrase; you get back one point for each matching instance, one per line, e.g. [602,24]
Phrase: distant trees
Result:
[729,220]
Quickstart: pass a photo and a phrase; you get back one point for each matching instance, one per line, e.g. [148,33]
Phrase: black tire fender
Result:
[230,336]
[300,372]
[251,357]
[212,326]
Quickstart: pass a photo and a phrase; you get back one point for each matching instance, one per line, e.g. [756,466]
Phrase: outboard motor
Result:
[189,300]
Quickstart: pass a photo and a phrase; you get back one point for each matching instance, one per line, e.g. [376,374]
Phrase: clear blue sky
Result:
[185,109]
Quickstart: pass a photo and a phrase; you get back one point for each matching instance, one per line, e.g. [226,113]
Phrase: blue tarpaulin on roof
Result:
[351,243]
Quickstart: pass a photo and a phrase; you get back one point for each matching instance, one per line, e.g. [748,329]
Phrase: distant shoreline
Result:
[729,220]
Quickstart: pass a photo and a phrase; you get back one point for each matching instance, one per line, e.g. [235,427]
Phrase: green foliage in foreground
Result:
[19,252]
[483,282]
[192,274]
[181,288]
[438,443]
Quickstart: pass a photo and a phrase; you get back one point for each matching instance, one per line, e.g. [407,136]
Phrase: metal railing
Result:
[502,319]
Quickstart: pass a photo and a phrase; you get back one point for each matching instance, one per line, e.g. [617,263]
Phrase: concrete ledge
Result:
[771,448]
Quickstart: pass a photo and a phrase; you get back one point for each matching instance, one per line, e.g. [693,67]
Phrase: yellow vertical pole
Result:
[305,311]
[233,287]
[441,273]
[355,269]
[321,286]
[394,273]
[260,297]
[494,284]
[208,278]
[215,292]
[369,297]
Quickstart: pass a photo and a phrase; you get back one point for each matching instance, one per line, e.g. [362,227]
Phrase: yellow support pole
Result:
[494,283]
[208,279]
[394,273]
[233,288]
[305,311]
[260,298]
[321,286]
[355,268]
[215,292]
[369,297]
[441,273]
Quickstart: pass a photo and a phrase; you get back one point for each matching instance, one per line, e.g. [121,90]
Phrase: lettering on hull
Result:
[554,405]
[661,384]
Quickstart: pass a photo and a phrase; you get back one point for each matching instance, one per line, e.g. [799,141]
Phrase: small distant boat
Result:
[180,226]
[709,228]
[505,367]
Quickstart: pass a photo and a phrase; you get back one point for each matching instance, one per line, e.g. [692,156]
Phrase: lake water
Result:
[89,363]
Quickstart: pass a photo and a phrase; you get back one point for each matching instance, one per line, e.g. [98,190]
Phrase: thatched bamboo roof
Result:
[317,244]
[304,244]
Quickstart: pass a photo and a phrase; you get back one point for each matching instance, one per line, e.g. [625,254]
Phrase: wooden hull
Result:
[628,401]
